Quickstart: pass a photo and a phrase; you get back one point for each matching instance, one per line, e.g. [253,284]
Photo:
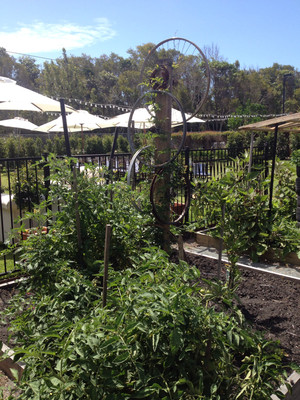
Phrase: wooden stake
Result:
[181,255]
[108,230]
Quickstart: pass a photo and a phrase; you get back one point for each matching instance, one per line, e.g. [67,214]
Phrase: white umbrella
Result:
[16,97]
[78,121]
[189,120]
[19,123]
[143,118]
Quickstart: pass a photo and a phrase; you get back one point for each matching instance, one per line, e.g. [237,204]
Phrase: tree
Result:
[7,64]
[27,73]
[247,111]
[223,85]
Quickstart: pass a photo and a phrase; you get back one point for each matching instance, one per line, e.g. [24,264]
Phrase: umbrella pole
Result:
[64,120]
[273,168]
[113,148]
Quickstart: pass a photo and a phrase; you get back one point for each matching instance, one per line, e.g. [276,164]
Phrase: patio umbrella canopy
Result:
[285,122]
[16,97]
[19,123]
[77,121]
[143,118]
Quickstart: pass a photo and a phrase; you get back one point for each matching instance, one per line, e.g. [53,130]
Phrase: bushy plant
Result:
[107,141]
[94,145]
[123,145]
[248,225]
[28,187]
[79,206]
[295,140]
[198,140]
[238,139]
[160,336]
[295,157]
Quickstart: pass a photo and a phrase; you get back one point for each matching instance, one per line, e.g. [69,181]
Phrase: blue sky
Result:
[255,32]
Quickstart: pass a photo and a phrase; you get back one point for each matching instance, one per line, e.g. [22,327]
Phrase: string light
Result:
[98,105]
[218,118]
[240,116]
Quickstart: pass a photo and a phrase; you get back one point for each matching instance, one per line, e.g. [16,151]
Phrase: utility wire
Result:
[30,55]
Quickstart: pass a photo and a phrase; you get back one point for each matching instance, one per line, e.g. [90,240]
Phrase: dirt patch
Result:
[6,293]
[6,385]
[270,302]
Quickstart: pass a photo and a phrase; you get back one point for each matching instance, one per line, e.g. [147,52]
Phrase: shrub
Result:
[107,141]
[295,158]
[248,225]
[77,229]
[28,187]
[123,145]
[295,140]
[196,140]
[160,337]
[238,139]
[94,145]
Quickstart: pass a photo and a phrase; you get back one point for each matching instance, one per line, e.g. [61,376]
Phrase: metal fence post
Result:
[187,172]
[46,170]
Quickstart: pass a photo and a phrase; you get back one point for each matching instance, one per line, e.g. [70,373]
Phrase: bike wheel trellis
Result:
[159,68]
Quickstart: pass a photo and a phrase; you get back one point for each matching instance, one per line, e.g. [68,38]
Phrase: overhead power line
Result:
[30,55]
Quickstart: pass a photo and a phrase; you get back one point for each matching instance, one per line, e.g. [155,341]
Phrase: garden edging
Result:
[206,240]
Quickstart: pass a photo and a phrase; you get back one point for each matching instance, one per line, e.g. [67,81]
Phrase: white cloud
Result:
[41,37]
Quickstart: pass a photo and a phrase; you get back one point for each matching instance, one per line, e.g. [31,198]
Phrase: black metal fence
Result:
[24,180]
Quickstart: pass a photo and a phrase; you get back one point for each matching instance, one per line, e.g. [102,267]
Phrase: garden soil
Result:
[271,303]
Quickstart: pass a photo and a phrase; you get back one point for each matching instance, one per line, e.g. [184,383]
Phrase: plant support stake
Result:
[108,230]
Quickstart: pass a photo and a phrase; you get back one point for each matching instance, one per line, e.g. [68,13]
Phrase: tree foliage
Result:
[112,79]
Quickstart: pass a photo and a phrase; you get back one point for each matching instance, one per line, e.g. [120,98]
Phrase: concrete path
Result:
[287,271]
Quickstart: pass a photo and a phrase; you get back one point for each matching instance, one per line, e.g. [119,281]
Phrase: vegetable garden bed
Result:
[270,302]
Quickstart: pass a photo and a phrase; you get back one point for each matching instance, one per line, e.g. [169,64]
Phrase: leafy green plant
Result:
[27,187]
[161,336]
[248,226]
[295,157]
[79,206]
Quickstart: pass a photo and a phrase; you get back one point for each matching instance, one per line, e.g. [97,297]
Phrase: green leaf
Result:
[155,341]
[55,381]
[176,340]
[121,358]
[213,389]
[15,373]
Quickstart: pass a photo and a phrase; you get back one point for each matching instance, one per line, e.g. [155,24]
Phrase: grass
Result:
[4,183]
[7,264]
